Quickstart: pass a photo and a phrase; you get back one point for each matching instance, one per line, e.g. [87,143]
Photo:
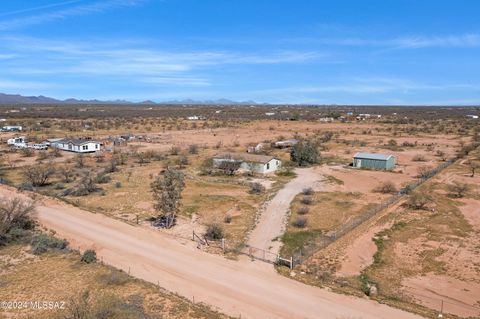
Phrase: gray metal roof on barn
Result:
[372,156]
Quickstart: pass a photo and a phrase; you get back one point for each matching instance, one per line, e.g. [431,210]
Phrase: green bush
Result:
[214,232]
[89,256]
[304,154]
[41,243]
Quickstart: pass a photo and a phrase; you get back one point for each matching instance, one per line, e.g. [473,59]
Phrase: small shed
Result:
[374,161]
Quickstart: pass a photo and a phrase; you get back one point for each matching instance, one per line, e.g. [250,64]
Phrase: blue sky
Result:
[278,51]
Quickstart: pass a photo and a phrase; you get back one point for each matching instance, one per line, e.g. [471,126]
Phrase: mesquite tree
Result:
[167,191]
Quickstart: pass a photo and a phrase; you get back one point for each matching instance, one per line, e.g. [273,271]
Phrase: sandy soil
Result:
[458,296]
[271,224]
[251,289]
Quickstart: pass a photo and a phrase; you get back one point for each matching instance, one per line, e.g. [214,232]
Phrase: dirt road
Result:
[271,224]
[249,289]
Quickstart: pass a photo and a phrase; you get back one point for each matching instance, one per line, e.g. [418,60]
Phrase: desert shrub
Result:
[307,191]
[458,190]
[442,155]
[419,158]
[89,256]
[113,278]
[80,160]
[55,152]
[59,186]
[306,200]
[285,171]
[118,184]
[27,152]
[41,243]
[193,149]
[42,156]
[256,188]
[304,154]
[424,172]
[87,185]
[214,232]
[15,218]
[303,210]
[385,188]
[300,222]
[102,306]
[111,166]
[182,161]
[227,219]
[38,175]
[418,201]
[174,150]
[67,173]
[102,178]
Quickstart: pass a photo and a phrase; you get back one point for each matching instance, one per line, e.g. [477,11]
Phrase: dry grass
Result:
[59,277]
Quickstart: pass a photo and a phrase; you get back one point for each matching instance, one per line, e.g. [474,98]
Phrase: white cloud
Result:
[60,14]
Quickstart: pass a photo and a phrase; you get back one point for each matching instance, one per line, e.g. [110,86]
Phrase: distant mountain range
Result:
[20,99]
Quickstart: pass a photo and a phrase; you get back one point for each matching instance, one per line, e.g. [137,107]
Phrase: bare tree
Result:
[80,160]
[167,191]
[14,213]
[458,189]
[39,175]
[473,166]
[67,173]
[418,200]
[386,188]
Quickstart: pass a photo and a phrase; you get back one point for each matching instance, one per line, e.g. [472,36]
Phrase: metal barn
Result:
[374,161]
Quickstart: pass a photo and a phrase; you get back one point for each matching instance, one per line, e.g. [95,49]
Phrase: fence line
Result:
[324,240]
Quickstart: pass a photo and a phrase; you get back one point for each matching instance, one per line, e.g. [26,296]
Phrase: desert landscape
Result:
[182,159]
[405,237]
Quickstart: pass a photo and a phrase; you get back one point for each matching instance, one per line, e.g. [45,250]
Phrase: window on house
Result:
[85,147]
[268,165]
[96,145]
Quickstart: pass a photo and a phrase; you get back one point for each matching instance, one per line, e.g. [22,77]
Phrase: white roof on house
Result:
[76,141]
[245,157]
[373,156]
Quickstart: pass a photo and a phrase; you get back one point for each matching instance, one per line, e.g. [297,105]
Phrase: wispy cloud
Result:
[64,13]
[369,86]
[38,8]
[132,61]
[400,42]
[466,40]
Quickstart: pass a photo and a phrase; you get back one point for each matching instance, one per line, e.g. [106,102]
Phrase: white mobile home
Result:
[77,146]
[12,128]
[262,164]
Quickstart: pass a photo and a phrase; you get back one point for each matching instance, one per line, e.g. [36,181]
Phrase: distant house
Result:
[471,116]
[77,146]
[286,143]
[374,161]
[262,164]
[255,148]
[326,119]
[12,128]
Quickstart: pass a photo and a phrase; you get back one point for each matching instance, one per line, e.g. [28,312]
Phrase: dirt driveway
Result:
[271,224]
[249,289]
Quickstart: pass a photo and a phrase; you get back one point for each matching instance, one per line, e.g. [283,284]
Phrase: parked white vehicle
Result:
[40,146]
[17,140]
